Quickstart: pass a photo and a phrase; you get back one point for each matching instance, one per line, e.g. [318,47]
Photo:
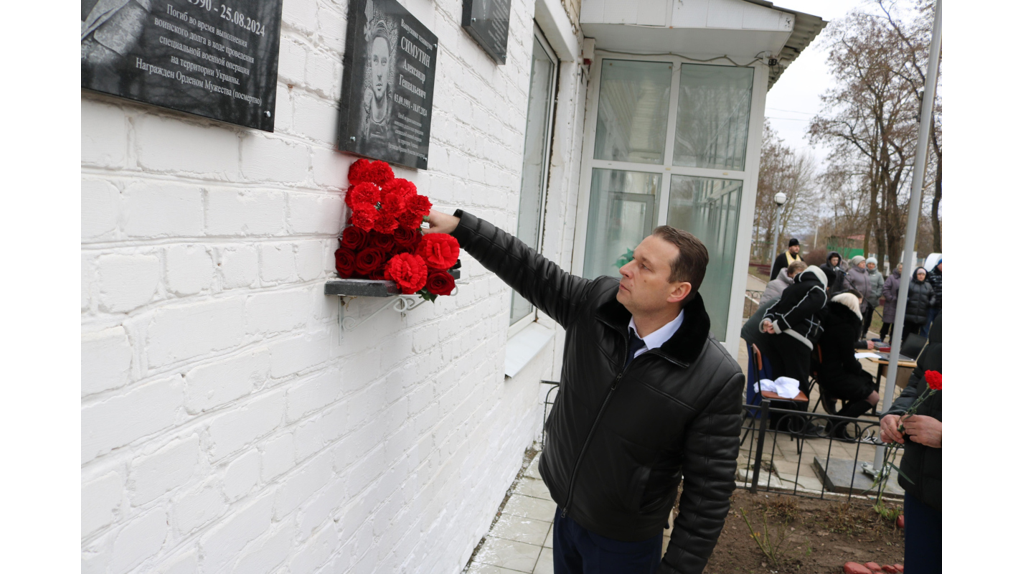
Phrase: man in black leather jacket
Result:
[623,431]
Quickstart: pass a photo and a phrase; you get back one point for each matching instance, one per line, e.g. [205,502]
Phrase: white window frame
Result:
[748,175]
[531,317]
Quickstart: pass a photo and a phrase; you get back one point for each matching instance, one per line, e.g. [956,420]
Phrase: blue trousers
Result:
[922,537]
[580,551]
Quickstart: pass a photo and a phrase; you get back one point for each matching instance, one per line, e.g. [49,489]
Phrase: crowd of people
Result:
[815,319]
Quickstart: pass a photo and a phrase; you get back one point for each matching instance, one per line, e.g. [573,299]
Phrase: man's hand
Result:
[924,430]
[441,222]
[871,345]
[767,326]
[891,429]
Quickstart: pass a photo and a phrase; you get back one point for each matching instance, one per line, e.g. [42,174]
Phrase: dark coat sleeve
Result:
[812,302]
[780,263]
[543,283]
[848,336]
[709,471]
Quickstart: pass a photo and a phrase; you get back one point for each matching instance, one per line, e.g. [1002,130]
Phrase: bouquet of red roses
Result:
[383,239]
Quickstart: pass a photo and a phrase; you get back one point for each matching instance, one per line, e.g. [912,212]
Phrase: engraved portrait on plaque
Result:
[388,84]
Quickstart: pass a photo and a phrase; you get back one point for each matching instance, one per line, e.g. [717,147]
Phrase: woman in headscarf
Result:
[871,297]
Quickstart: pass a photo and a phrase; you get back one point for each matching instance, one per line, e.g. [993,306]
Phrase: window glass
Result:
[633,111]
[622,214]
[535,154]
[710,209]
[713,114]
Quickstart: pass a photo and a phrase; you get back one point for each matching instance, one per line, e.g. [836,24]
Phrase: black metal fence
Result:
[813,435]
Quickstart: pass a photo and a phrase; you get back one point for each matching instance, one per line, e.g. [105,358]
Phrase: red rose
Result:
[439,250]
[440,283]
[384,241]
[377,172]
[407,238]
[364,217]
[353,238]
[934,380]
[369,259]
[408,271]
[363,193]
[344,262]
[376,275]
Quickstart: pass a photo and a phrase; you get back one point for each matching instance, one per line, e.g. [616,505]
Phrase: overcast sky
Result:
[794,99]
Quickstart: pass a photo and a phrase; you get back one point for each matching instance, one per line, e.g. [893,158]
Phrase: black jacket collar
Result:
[685,345]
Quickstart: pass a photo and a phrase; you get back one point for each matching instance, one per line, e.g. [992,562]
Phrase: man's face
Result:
[645,285]
[794,249]
[379,67]
[939,267]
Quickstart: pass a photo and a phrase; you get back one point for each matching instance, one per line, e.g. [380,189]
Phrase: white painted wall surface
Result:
[227,424]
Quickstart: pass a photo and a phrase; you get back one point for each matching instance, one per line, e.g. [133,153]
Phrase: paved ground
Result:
[520,541]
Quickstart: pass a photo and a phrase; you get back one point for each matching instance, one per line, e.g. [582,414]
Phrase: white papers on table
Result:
[868,355]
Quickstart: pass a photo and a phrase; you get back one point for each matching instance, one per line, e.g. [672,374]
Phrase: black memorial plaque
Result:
[487,22]
[387,90]
[212,58]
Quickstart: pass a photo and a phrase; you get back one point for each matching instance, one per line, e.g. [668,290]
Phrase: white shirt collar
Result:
[659,337]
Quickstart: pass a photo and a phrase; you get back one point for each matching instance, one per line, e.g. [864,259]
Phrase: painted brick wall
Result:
[227,423]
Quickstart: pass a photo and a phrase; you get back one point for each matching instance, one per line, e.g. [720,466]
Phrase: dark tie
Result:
[635,344]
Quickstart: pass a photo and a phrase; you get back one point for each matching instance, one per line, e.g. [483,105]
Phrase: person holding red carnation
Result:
[647,396]
[921,438]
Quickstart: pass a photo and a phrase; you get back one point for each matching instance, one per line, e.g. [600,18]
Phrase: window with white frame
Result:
[642,174]
[536,151]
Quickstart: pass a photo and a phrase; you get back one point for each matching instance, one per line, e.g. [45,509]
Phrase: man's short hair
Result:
[795,268]
[692,261]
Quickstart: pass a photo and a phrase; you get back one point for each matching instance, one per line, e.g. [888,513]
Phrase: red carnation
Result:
[384,241]
[408,271]
[416,207]
[364,217]
[363,193]
[393,204]
[385,223]
[934,380]
[439,250]
[377,172]
[407,238]
[353,238]
[403,187]
[369,260]
[440,283]
[344,262]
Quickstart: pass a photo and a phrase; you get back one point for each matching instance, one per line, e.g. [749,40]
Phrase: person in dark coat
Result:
[919,298]
[834,264]
[786,258]
[857,278]
[840,375]
[890,292]
[794,323]
[921,438]
[935,279]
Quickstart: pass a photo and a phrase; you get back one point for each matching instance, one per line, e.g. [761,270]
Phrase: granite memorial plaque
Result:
[487,22]
[387,89]
[212,58]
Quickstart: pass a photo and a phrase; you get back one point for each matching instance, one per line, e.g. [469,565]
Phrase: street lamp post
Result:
[780,200]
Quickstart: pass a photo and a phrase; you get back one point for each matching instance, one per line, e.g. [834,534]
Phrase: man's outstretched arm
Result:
[555,292]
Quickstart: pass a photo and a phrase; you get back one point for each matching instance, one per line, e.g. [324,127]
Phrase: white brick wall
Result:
[227,423]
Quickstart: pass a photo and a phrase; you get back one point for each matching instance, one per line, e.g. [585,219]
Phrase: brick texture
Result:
[228,424]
